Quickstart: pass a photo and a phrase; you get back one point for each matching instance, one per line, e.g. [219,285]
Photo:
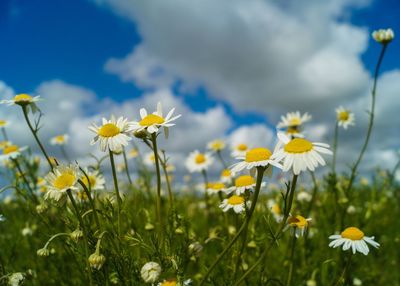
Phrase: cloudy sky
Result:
[230,67]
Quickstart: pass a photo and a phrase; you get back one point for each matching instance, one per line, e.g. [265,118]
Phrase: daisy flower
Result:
[300,154]
[226,176]
[383,36]
[353,238]
[59,139]
[243,183]
[3,123]
[113,134]
[96,180]
[239,150]
[234,202]
[11,151]
[344,117]
[215,187]
[23,99]
[297,224]
[61,179]
[149,159]
[275,209]
[198,162]
[152,122]
[256,157]
[293,123]
[216,145]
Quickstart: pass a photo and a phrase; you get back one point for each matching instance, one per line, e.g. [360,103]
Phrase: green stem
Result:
[127,167]
[91,201]
[35,200]
[116,189]
[289,279]
[342,278]
[3,130]
[206,198]
[164,167]
[335,143]
[158,198]
[55,236]
[244,226]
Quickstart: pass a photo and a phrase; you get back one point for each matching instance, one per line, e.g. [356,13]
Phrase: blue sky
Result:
[72,40]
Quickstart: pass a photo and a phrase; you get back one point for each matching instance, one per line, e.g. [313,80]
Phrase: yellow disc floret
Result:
[298,145]
[352,233]
[244,181]
[343,116]
[258,154]
[60,138]
[64,180]
[151,119]
[226,173]
[242,147]
[23,97]
[200,158]
[109,130]
[236,200]
[10,149]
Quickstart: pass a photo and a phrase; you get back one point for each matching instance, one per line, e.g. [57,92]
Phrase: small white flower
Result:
[353,238]
[215,187]
[237,203]
[61,179]
[149,159]
[23,99]
[150,272]
[198,162]
[293,123]
[239,150]
[275,209]
[345,117]
[383,36]
[113,134]
[256,157]
[16,279]
[11,152]
[243,183]
[226,176]
[96,180]
[59,140]
[216,145]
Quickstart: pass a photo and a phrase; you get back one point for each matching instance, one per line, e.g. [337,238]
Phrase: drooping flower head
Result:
[113,134]
[150,272]
[256,157]
[198,162]
[59,139]
[354,238]
[24,100]
[61,179]
[237,203]
[216,145]
[153,121]
[383,36]
[94,180]
[297,224]
[344,117]
[293,123]
[300,154]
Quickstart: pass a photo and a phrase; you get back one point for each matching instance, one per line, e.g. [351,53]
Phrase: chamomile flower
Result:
[216,145]
[237,203]
[300,154]
[96,180]
[256,157]
[153,121]
[226,176]
[150,272]
[353,238]
[59,140]
[243,183]
[215,187]
[344,117]
[61,179]
[113,134]
[198,162]
[24,100]
[293,123]
[239,150]
[11,152]
[149,159]
[3,123]
[383,36]
[297,224]
[275,209]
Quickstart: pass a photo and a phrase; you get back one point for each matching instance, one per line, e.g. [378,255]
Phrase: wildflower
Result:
[149,159]
[133,153]
[237,203]
[16,279]
[59,139]
[150,272]
[383,36]
[43,252]
[61,179]
[11,152]
[113,134]
[354,238]
[226,176]
[239,150]
[216,145]
[94,180]
[293,122]
[344,117]
[24,100]
[256,157]
[300,154]
[216,187]
[298,224]
[96,260]
[304,196]
[275,209]
[198,162]
[76,235]
[243,183]
[152,122]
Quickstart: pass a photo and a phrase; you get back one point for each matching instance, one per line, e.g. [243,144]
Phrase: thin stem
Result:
[244,226]
[127,167]
[25,181]
[289,279]
[342,278]
[3,130]
[34,132]
[91,201]
[371,120]
[64,153]
[164,167]
[116,189]
[206,199]
[335,143]
[288,206]
[158,198]
[313,195]
[222,159]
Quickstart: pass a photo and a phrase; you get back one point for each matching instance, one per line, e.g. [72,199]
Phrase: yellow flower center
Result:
[92,181]
[298,145]
[3,123]
[169,283]
[23,98]
[236,200]
[244,181]
[216,186]
[218,145]
[200,158]
[226,173]
[10,149]
[151,119]
[258,154]
[60,138]
[352,233]
[276,209]
[297,221]
[343,116]
[295,121]
[133,153]
[109,130]
[242,147]
[64,181]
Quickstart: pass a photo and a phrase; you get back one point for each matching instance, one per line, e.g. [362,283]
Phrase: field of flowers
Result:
[278,215]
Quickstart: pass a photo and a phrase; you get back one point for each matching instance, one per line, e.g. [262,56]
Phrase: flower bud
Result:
[96,260]
[76,235]
[43,252]
[383,36]
[150,272]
